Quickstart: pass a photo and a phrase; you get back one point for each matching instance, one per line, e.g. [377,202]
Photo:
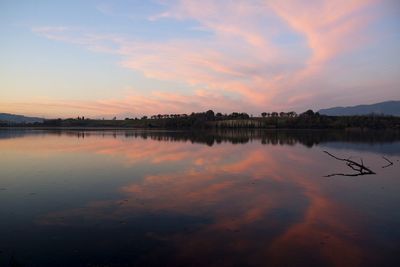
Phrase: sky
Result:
[98,58]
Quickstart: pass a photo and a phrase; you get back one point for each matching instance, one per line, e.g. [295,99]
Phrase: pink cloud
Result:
[239,65]
[331,27]
[131,105]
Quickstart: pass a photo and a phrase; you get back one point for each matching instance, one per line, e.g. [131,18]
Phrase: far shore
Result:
[210,120]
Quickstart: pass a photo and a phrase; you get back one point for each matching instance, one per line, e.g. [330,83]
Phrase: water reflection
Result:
[387,140]
[152,198]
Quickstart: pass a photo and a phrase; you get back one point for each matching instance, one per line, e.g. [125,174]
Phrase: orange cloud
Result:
[330,27]
[132,105]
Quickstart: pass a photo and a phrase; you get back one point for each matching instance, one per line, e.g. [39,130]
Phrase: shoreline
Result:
[77,128]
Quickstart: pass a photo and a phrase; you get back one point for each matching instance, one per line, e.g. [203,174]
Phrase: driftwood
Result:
[358,167]
[390,163]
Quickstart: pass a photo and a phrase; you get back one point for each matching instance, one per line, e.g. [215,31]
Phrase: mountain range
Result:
[12,118]
[382,108]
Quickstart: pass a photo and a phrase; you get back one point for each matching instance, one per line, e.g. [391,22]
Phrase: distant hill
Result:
[386,108]
[12,118]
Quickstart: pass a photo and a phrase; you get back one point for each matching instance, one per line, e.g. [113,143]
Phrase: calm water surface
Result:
[231,198]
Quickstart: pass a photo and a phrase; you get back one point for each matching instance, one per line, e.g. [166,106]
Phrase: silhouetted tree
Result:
[244,115]
[210,115]
[309,113]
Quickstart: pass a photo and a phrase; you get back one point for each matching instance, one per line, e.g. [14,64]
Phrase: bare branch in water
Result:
[360,168]
[390,163]
[344,174]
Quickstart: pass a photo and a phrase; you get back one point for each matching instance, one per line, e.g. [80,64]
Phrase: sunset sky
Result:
[131,58]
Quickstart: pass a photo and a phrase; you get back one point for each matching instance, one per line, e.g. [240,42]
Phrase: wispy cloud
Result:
[131,105]
[243,57]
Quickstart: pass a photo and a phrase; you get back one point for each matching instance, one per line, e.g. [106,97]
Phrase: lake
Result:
[221,198]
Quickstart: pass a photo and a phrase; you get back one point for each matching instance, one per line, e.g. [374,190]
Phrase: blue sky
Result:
[129,58]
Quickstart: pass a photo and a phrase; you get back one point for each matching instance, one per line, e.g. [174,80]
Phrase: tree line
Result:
[209,119]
